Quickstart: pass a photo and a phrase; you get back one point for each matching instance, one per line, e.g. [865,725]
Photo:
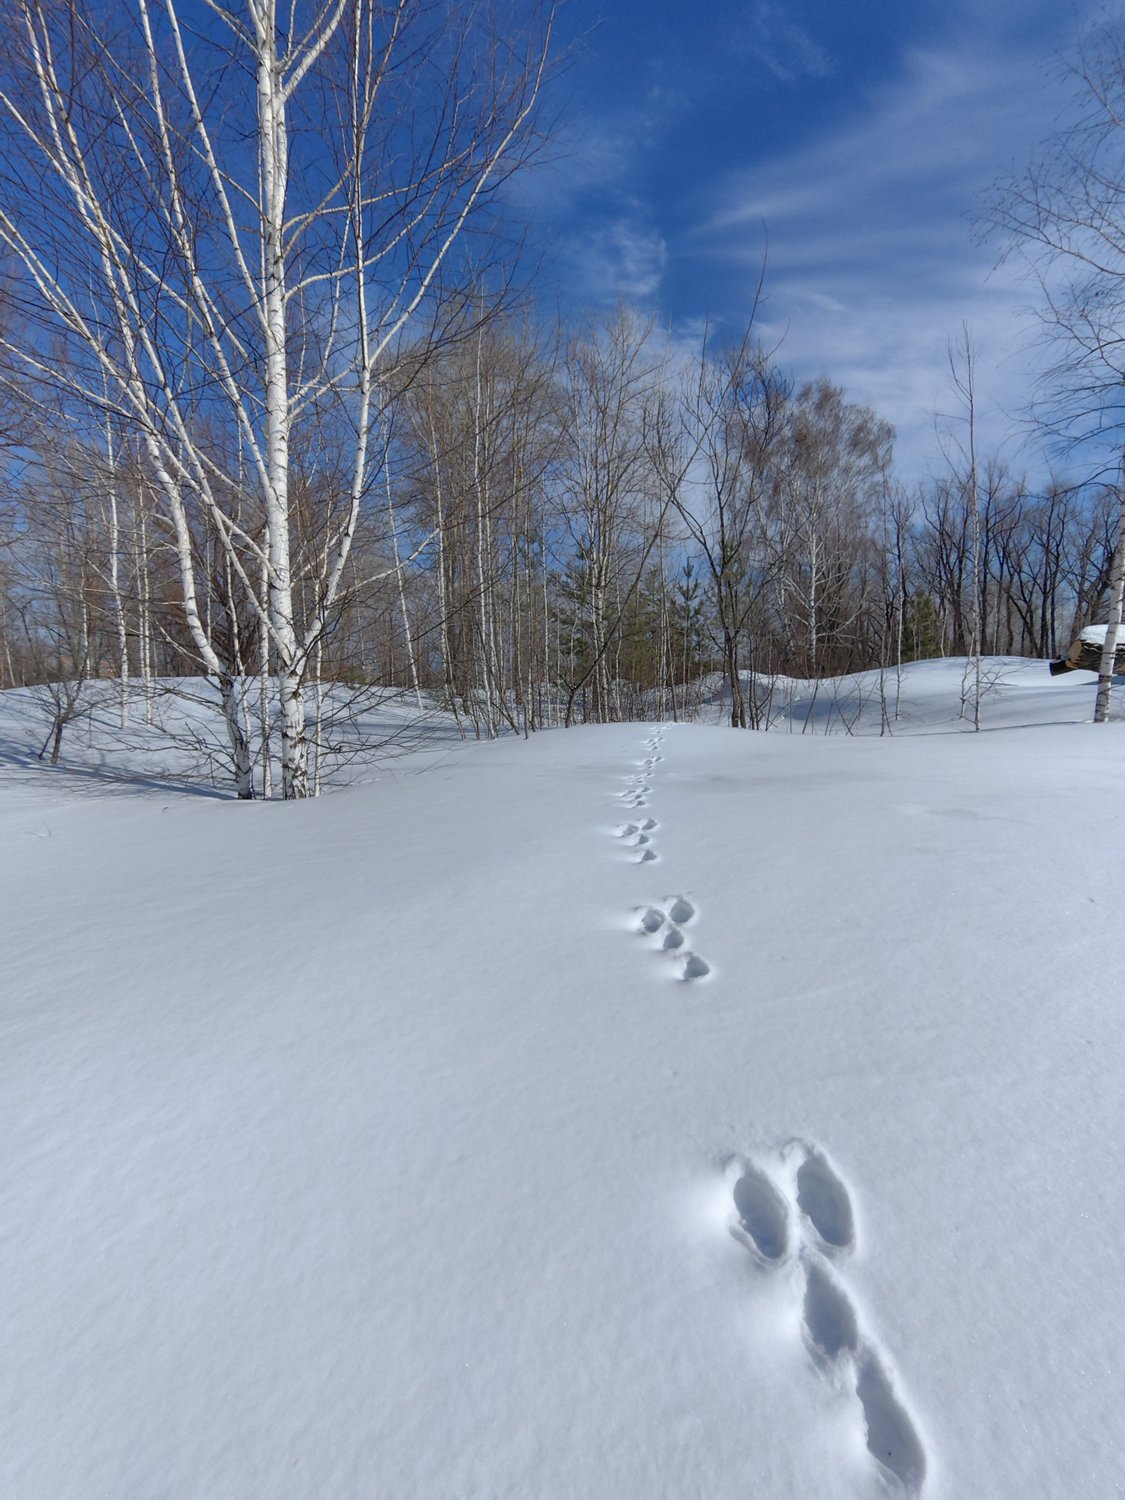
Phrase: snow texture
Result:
[640,1112]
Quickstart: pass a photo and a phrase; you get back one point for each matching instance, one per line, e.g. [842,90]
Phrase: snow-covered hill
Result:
[641,1112]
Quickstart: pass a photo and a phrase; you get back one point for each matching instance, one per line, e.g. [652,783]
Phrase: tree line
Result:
[587,527]
[278,418]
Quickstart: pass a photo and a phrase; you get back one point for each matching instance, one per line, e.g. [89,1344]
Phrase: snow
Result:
[1094,634]
[380,1145]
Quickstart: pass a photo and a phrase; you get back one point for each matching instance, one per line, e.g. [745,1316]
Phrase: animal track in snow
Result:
[763,1215]
[891,1438]
[667,923]
[695,967]
[823,1199]
[638,787]
[637,835]
[821,1208]
[832,1332]
[830,1320]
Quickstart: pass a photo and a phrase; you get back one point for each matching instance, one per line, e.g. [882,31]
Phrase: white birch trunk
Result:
[443,592]
[273,146]
[1113,624]
[264,725]
[401,583]
[137,125]
[144,614]
[486,680]
[115,582]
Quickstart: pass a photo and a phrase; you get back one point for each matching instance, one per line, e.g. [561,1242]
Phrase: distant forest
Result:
[566,524]
[277,413]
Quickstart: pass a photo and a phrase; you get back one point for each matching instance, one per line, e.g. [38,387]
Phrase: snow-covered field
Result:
[646,1112]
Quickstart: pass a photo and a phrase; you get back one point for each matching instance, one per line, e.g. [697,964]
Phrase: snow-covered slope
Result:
[177,741]
[922,698]
[642,1113]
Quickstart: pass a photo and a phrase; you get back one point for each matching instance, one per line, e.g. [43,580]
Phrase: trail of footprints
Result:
[809,1221]
[639,837]
[666,922]
[814,1222]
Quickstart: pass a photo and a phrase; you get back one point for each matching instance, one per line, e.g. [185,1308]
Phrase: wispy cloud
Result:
[606,242]
[623,259]
[772,36]
[873,264]
[660,191]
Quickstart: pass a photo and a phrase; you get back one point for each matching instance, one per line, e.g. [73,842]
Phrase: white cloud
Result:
[626,258]
[893,354]
[872,260]
[782,46]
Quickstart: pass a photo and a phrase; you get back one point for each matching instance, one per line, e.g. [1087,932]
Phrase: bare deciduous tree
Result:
[232,219]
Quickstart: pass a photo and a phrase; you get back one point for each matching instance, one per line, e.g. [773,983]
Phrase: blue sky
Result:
[858,138]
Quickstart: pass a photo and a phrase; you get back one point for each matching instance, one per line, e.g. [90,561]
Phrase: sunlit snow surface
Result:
[647,1112]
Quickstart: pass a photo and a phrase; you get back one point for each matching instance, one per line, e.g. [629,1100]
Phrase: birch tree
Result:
[962,457]
[232,219]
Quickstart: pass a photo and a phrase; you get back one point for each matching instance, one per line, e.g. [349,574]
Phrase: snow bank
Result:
[631,1113]
[1094,635]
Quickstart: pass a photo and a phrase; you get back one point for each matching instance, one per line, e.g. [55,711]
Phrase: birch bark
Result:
[1113,625]
[210,259]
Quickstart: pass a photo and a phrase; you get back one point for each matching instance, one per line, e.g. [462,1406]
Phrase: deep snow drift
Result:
[646,1112]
